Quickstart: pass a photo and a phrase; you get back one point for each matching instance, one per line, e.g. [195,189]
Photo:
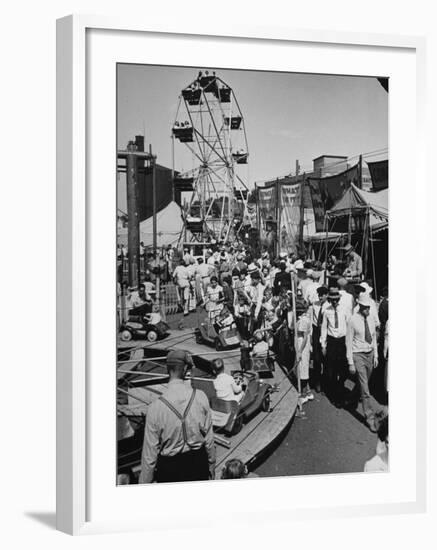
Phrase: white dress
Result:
[213,307]
[304,326]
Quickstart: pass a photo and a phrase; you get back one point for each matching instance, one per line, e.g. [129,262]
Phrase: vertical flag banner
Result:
[267,211]
[379,174]
[326,192]
[289,212]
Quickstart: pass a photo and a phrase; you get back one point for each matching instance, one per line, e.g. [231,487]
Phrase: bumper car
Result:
[229,416]
[220,332]
[143,324]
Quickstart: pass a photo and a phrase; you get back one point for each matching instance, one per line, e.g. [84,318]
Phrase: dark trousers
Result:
[335,371]
[243,326]
[317,358]
[189,466]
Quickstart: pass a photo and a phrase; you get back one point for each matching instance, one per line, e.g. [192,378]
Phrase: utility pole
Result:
[173,194]
[360,172]
[133,227]
[153,167]
[301,207]
[276,244]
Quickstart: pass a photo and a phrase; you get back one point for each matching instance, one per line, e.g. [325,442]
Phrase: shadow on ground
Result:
[45,518]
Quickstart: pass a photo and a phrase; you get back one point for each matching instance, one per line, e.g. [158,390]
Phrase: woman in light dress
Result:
[213,298]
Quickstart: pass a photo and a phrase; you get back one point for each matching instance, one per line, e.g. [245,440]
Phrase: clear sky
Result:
[288,116]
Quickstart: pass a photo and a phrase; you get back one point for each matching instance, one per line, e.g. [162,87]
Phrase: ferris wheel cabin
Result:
[183,183]
[241,194]
[235,122]
[240,157]
[183,132]
[192,95]
[225,95]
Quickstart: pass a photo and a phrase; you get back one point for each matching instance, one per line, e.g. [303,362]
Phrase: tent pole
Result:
[372,250]
[301,213]
[326,251]
[296,364]
[366,242]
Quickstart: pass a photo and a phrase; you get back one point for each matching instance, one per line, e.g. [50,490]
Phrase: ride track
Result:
[257,435]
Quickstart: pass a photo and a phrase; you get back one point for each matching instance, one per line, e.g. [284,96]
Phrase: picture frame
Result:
[78,229]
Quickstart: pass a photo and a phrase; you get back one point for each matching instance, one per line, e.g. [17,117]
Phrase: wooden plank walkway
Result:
[257,434]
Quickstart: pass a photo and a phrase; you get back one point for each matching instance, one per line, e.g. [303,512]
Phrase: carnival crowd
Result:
[319,320]
[308,313]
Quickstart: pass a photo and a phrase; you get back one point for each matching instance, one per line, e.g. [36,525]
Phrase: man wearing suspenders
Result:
[178,437]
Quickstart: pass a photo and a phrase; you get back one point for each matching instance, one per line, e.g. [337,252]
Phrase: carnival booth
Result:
[361,218]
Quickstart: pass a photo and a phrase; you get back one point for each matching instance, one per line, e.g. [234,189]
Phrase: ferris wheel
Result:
[210,128]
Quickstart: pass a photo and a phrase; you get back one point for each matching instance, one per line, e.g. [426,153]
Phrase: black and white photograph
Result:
[252,274]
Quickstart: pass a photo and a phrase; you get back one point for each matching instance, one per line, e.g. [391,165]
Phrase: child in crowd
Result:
[234,469]
[225,385]
[261,347]
[242,316]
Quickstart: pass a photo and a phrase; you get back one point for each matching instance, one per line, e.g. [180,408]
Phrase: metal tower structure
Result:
[210,126]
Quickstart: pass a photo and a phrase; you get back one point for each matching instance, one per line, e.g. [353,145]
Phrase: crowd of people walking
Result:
[320,320]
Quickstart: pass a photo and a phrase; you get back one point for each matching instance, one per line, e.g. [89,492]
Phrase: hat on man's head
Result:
[364,301]
[367,288]
[310,272]
[252,268]
[298,264]
[178,357]
[334,293]
[282,254]
[348,248]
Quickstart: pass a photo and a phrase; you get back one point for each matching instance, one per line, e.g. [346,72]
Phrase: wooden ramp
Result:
[256,435]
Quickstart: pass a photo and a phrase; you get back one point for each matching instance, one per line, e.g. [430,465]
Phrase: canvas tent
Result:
[356,202]
[358,215]
[169,226]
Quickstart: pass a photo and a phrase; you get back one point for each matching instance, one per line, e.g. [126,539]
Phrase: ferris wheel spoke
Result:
[195,131]
[198,134]
[195,153]
[216,141]
[215,126]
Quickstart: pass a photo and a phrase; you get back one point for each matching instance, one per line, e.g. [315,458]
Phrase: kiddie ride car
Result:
[220,332]
[144,324]
[230,416]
